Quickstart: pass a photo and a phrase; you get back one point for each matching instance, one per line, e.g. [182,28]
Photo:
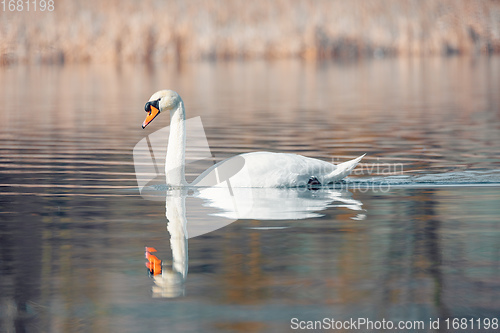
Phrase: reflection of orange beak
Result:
[151,115]
[154,264]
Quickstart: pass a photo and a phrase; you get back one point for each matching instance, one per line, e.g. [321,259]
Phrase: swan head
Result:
[162,100]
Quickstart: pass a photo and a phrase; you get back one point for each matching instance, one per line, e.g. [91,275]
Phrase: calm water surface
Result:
[413,235]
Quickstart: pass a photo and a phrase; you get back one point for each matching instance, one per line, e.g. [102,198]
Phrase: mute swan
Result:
[257,169]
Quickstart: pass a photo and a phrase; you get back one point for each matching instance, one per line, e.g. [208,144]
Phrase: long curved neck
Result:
[177,227]
[171,281]
[175,161]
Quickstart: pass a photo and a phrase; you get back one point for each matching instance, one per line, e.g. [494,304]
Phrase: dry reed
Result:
[154,30]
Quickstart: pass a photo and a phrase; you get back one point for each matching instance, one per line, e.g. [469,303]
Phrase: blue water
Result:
[411,235]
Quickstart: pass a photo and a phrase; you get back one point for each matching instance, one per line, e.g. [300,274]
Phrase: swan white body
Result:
[266,169]
[258,169]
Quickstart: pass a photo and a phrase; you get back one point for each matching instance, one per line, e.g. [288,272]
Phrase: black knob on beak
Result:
[148,105]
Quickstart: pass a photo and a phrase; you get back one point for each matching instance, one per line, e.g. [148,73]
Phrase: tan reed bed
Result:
[154,30]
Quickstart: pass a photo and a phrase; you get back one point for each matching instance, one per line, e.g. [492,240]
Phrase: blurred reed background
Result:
[157,31]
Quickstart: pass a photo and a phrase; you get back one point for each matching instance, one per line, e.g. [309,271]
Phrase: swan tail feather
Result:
[343,170]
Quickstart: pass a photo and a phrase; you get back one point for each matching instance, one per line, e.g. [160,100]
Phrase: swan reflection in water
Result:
[209,209]
[170,282]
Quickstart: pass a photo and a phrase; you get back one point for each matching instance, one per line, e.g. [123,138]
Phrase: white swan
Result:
[258,169]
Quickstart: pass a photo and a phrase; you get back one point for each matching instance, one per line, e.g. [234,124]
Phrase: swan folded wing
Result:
[266,169]
[221,173]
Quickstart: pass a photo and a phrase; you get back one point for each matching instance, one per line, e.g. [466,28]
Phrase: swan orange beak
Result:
[153,112]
